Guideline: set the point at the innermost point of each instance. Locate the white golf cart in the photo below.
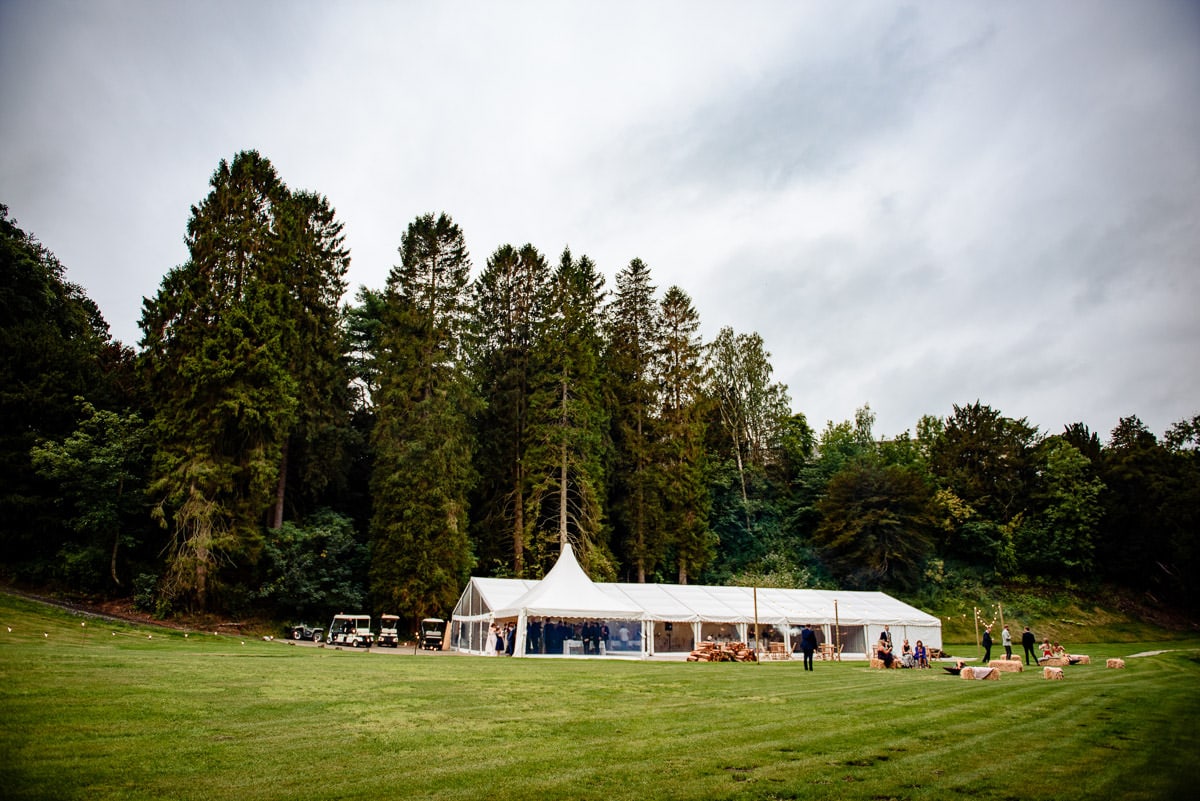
(433, 630)
(389, 635)
(352, 630)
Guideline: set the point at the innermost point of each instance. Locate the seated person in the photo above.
(920, 655)
(1046, 649)
(883, 651)
(1059, 650)
(906, 655)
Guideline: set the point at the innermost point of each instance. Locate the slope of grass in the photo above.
(103, 711)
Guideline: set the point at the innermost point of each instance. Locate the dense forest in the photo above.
(272, 449)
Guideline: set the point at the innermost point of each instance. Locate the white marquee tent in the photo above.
(642, 620)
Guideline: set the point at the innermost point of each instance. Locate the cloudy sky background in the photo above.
(915, 205)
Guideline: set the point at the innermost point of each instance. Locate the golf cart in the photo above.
(354, 630)
(305, 632)
(433, 630)
(389, 635)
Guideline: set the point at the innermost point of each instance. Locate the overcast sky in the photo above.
(916, 205)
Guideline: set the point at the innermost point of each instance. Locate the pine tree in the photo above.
(680, 447)
(241, 351)
(423, 449)
(568, 424)
(633, 340)
(511, 298)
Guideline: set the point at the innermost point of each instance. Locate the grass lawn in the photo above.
(109, 711)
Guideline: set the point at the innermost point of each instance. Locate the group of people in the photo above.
(910, 656)
(500, 640)
(547, 637)
(1028, 642)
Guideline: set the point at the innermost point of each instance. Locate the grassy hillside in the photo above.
(95, 710)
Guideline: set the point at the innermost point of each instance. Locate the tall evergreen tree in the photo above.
(315, 262)
(511, 302)
(213, 355)
(420, 550)
(680, 447)
(568, 424)
(634, 336)
(241, 351)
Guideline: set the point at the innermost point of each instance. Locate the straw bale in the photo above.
(1054, 661)
(1081, 659)
(1116, 663)
(1007, 665)
(969, 673)
(1052, 672)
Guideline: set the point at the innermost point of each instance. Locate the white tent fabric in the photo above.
(851, 618)
(566, 591)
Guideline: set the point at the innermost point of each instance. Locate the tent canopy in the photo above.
(567, 592)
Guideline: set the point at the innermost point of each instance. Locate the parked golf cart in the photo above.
(353, 630)
(305, 632)
(389, 636)
(433, 630)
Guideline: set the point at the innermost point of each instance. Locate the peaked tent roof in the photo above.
(566, 591)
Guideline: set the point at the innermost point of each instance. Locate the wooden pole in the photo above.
(757, 642)
(977, 646)
(837, 633)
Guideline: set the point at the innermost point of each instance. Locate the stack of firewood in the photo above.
(722, 652)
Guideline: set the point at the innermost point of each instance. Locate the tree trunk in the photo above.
(117, 537)
(562, 479)
(280, 490)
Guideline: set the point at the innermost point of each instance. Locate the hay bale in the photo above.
(1007, 665)
(1052, 672)
(1054, 661)
(1116, 663)
(980, 673)
(877, 664)
(1080, 659)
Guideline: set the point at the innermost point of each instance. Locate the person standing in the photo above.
(1028, 642)
(987, 644)
(808, 644)
(1006, 641)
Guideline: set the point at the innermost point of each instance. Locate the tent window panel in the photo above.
(673, 636)
(719, 632)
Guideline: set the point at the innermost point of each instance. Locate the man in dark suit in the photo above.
(808, 644)
(987, 645)
(1029, 642)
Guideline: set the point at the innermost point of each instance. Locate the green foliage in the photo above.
(1058, 537)
(242, 354)
(511, 300)
(52, 345)
(876, 525)
(312, 567)
(680, 461)
(567, 432)
(420, 553)
(634, 339)
(100, 471)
